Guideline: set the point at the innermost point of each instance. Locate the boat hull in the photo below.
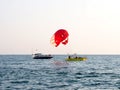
(42, 57)
(76, 59)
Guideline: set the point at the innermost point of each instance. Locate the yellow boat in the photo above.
(76, 59)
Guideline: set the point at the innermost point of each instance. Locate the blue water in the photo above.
(21, 72)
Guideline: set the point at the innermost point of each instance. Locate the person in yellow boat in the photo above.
(69, 56)
(76, 57)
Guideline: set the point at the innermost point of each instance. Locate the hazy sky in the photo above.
(28, 25)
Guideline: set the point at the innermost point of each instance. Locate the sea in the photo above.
(22, 72)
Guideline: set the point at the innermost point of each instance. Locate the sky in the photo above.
(26, 26)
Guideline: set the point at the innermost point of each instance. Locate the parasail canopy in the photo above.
(60, 36)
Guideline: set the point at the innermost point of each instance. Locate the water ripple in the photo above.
(21, 72)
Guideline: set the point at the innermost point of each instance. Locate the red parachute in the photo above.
(60, 36)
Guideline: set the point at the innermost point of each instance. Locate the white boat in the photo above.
(41, 56)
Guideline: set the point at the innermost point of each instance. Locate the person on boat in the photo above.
(69, 56)
(49, 54)
(76, 57)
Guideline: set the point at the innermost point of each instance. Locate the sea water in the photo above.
(21, 72)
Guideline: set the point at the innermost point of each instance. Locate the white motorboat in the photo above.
(41, 56)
